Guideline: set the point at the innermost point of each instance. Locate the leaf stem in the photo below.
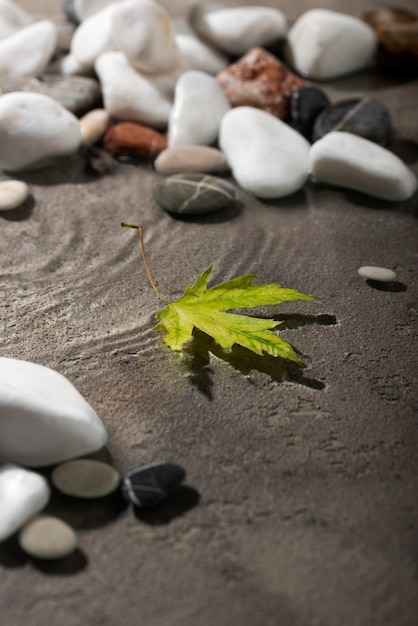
(144, 257)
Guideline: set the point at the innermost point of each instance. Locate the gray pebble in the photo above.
(85, 478)
(191, 194)
(47, 537)
(69, 10)
(76, 93)
(367, 118)
(373, 272)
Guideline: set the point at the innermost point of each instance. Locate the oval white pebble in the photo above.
(373, 272)
(93, 37)
(85, 478)
(47, 537)
(43, 418)
(28, 51)
(12, 18)
(13, 193)
(22, 495)
(33, 128)
(267, 157)
(351, 161)
(324, 44)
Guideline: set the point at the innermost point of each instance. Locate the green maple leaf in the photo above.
(205, 309)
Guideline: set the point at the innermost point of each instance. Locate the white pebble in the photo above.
(373, 272)
(199, 106)
(86, 8)
(47, 537)
(143, 31)
(22, 495)
(43, 418)
(198, 55)
(236, 30)
(93, 125)
(351, 161)
(85, 478)
(323, 44)
(12, 18)
(129, 95)
(267, 157)
(71, 66)
(13, 193)
(34, 128)
(93, 37)
(28, 51)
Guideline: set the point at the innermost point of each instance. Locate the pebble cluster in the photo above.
(190, 75)
(191, 87)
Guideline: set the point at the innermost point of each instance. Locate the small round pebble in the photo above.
(85, 478)
(148, 485)
(93, 125)
(364, 117)
(372, 272)
(47, 537)
(193, 193)
(13, 193)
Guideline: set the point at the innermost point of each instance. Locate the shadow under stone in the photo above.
(11, 554)
(20, 213)
(67, 566)
(178, 503)
(393, 286)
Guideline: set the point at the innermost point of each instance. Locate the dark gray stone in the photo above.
(364, 117)
(78, 94)
(189, 194)
(68, 8)
(305, 106)
(148, 485)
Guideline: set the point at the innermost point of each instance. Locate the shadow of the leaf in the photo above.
(243, 360)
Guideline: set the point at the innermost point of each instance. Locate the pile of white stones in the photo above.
(156, 63)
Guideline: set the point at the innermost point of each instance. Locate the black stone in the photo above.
(367, 118)
(68, 8)
(148, 485)
(305, 106)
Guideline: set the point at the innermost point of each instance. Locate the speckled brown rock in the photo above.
(134, 140)
(260, 80)
(397, 33)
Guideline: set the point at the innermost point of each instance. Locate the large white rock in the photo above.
(28, 51)
(93, 37)
(33, 129)
(43, 418)
(351, 161)
(236, 30)
(143, 31)
(267, 157)
(199, 106)
(323, 44)
(22, 495)
(128, 95)
(196, 54)
(12, 18)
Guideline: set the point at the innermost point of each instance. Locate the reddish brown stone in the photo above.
(260, 80)
(134, 140)
(397, 33)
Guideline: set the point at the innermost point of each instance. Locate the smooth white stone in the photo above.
(86, 8)
(323, 44)
(13, 193)
(351, 161)
(93, 37)
(43, 418)
(93, 125)
(28, 51)
(143, 31)
(22, 495)
(12, 18)
(34, 128)
(71, 66)
(236, 30)
(267, 157)
(196, 54)
(199, 106)
(373, 272)
(128, 95)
